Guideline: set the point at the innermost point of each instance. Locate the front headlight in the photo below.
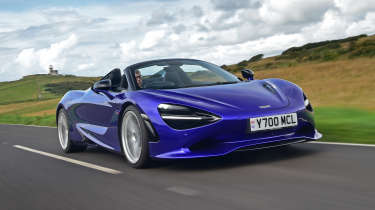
(307, 103)
(183, 117)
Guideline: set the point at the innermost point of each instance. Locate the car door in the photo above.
(99, 112)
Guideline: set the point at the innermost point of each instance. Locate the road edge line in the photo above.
(343, 144)
(70, 160)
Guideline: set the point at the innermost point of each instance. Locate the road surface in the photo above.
(36, 174)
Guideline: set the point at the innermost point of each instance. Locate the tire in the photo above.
(133, 137)
(66, 144)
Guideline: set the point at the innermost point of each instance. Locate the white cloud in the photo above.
(27, 57)
(354, 6)
(151, 39)
(47, 56)
(279, 12)
(85, 66)
(128, 50)
(332, 26)
(366, 25)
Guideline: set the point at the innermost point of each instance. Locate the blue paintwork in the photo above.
(96, 116)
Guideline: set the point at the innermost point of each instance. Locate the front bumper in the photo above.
(224, 148)
(228, 135)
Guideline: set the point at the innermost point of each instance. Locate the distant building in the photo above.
(52, 71)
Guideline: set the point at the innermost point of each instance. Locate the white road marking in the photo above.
(81, 163)
(182, 190)
(344, 144)
(36, 126)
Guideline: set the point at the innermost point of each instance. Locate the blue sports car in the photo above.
(183, 108)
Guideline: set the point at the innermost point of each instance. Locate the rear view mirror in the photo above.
(247, 74)
(105, 84)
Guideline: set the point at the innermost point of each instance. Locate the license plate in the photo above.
(273, 122)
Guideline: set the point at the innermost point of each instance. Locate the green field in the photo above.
(337, 76)
(346, 125)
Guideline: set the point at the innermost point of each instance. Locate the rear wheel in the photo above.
(134, 138)
(67, 145)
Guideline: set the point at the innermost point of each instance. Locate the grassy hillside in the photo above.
(343, 83)
(41, 87)
(33, 99)
(361, 46)
(338, 76)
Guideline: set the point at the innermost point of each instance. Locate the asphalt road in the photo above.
(303, 176)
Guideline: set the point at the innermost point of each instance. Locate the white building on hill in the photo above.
(52, 71)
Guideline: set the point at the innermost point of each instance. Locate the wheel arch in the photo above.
(153, 136)
(59, 106)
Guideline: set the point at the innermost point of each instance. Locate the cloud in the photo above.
(197, 11)
(27, 57)
(85, 66)
(355, 7)
(366, 25)
(230, 5)
(128, 49)
(54, 55)
(151, 39)
(332, 26)
(160, 16)
(219, 31)
(281, 12)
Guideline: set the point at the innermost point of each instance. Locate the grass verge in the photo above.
(348, 125)
(46, 120)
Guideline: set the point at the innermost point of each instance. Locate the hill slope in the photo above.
(33, 99)
(41, 87)
(361, 46)
(345, 79)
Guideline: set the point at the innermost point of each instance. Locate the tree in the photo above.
(256, 58)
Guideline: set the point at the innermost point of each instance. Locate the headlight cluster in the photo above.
(307, 103)
(183, 117)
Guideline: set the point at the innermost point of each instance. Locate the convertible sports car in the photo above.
(183, 108)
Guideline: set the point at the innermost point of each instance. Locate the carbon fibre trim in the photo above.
(272, 144)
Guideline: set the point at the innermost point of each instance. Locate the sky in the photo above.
(89, 38)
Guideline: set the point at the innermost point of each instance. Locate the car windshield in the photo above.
(179, 73)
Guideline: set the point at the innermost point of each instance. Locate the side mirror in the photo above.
(247, 74)
(104, 84)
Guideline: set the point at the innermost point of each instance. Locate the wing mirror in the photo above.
(247, 74)
(104, 84)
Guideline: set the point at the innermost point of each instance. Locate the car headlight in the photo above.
(307, 103)
(183, 117)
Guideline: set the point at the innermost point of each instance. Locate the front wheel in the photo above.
(67, 145)
(134, 138)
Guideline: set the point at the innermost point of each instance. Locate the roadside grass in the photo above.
(350, 125)
(29, 113)
(46, 120)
